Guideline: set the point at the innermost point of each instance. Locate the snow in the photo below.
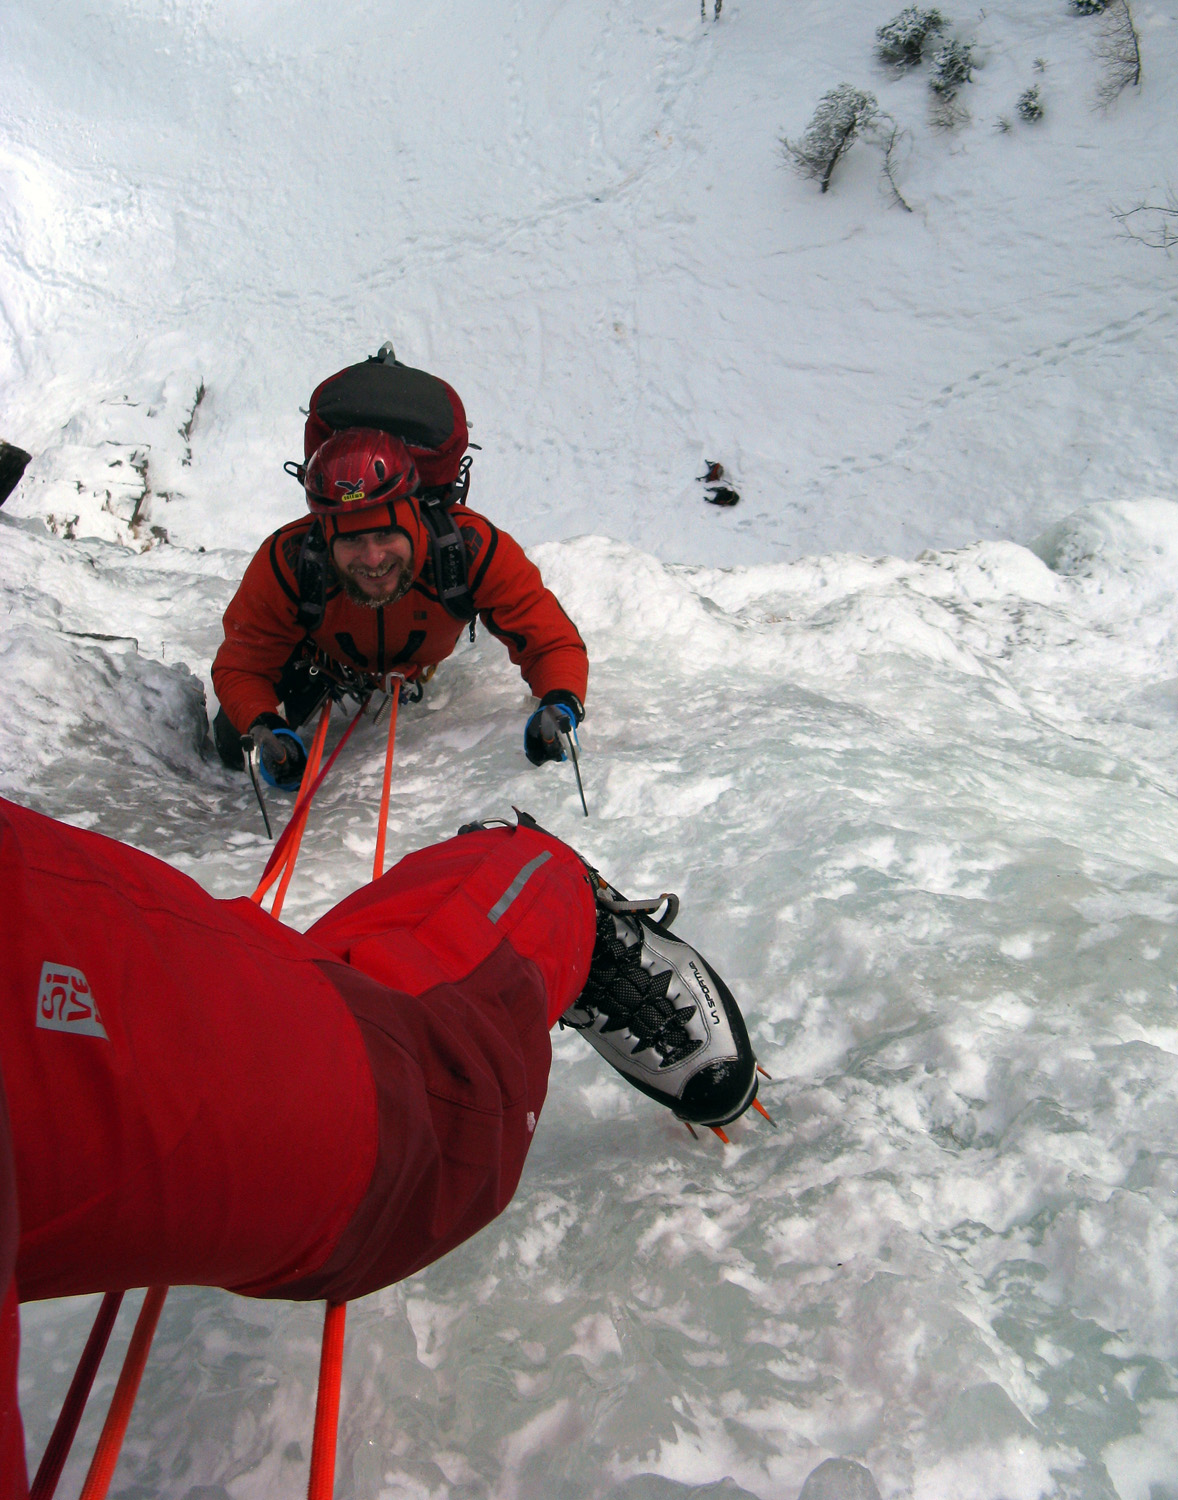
(901, 727)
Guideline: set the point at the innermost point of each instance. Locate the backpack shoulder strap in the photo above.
(311, 576)
(448, 553)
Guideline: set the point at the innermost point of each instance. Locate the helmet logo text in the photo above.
(353, 489)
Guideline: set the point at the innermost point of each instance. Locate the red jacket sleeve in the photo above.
(514, 605)
(261, 631)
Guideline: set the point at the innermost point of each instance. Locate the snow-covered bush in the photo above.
(1030, 106)
(842, 114)
(1089, 7)
(901, 40)
(952, 66)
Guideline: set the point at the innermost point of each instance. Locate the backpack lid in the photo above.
(423, 411)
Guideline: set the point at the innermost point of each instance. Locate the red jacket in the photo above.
(261, 630)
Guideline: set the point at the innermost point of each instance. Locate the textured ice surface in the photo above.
(921, 811)
(922, 817)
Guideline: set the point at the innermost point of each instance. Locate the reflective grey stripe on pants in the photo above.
(517, 885)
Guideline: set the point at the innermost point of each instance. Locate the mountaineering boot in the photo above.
(661, 1015)
(656, 1010)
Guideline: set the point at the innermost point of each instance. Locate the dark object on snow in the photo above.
(715, 471)
(1119, 50)
(13, 462)
(721, 495)
(839, 1479)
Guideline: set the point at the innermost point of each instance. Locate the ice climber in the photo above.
(193, 1093)
(360, 588)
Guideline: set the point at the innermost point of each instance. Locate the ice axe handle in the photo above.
(570, 736)
(251, 756)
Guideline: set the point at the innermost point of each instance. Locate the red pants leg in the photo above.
(491, 933)
(200, 1095)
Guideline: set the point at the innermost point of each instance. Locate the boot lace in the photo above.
(633, 999)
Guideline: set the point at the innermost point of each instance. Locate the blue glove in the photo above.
(282, 756)
(559, 713)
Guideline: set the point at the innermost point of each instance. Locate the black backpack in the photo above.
(429, 418)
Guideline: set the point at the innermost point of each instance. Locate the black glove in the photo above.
(560, 711)
(282, 754)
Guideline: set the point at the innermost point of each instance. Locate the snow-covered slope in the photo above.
(922, 816)
(579, 215)
(920, 809)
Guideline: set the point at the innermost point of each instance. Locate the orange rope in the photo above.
(65, 1429)
(331, 1368)
(321, 1482)
(295, 829)
(106, 1455)
(383, 820)
(282, 861)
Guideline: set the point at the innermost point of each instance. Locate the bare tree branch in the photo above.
(1152, 224)
(1119, 49)
(888, 137)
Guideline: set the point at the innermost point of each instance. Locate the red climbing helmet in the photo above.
(358, 469)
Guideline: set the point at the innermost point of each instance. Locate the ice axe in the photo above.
(251, 753)
(570, 738)
(551, 734)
